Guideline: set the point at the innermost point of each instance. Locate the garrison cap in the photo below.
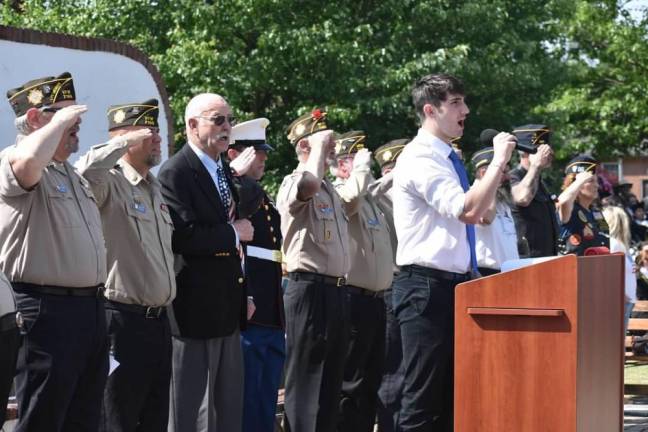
(41, 92)
(307, 125)
(388, 153)
(581, 163)
(349, 143)
(251, 133)
(532, 134)
(482, 157)
(133, 114)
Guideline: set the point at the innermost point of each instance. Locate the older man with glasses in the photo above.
(211, 304)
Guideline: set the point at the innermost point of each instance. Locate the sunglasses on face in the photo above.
(220, 119)
(49, 109)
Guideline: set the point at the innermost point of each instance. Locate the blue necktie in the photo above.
(223, 188)
(470, 229)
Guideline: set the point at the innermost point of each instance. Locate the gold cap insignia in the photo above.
(119, 116)
(35, 96)
(387, 155)
(300, 129)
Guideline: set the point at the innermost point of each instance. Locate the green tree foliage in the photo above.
(359, 58)
(603, 107)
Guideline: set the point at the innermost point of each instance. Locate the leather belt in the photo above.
(148, 312)
(93, 291)
(365, 292)
(316, 277)
(435, 273)
(263, 253)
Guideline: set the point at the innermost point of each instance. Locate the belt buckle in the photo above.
(340, 281)
(153, 312)
(277, 256)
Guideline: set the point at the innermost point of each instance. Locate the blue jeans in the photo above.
(424, 307)
(264, 352)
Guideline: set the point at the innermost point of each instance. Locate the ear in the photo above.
(232, 154)
(303, 145)
(33, 117)
(429, 110)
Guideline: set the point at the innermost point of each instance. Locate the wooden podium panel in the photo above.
(541, 348)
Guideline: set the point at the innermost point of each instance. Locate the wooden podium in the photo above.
(541, 348)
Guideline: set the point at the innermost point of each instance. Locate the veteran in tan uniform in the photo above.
(370, 275)
(389, 393)
(316, 248)
(141, 282)
(52, 250)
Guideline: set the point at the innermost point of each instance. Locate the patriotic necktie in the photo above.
(223, 189)
(470, 229)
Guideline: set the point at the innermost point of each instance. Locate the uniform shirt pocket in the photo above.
(140, 216)
(324, 222)
(64, 211)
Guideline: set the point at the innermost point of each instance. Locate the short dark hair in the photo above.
(434, 89)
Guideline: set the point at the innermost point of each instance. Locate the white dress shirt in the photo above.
(630, 277)
(428, 200)
(497, 242)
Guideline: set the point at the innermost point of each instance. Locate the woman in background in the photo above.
(619, 225)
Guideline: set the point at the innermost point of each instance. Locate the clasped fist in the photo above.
(503, 145)
(244, 229)
(543, 157)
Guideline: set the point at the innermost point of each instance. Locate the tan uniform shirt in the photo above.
(380, 190)
(314, 231)
(369, 242)
(7, 302)
(137, 227)
(50, 235)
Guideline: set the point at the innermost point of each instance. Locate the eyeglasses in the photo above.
(220, 119)
(50, 109)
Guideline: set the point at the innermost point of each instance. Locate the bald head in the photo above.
(201, 103)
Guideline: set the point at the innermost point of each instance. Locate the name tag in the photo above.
(139, 207)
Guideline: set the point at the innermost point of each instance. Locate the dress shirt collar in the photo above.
(210, 164)
(436, 144)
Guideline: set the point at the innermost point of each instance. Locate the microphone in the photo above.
(486, 138)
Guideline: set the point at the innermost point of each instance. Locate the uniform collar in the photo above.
(132, 175)
(434, 143)
(58, 166)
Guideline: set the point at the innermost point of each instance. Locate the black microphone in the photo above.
(486, 139)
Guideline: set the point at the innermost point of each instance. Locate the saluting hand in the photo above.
(362, 159)
(69, 116)
(584, 177)
(244, 229)
(137, 136)
(243, 162)
(323, 140)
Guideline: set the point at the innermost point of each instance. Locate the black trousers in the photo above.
(62, 364)
(424, 306)
(364, 364)
(316, 344)
(9, 342)
(137, 392)
(391, 387)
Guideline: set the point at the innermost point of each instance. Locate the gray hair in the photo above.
(22, 125)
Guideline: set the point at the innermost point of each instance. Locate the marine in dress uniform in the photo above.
(52, 250)
(141, 283)
(9, 342)
(389, 393)
(534, 209)
(581, 225)
(370, 275)
(316, 249)
(263, 342)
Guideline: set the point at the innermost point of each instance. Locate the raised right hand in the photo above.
(322, 139)
(137, 136)
(244, 229)
(543, 158)
(69, 115)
